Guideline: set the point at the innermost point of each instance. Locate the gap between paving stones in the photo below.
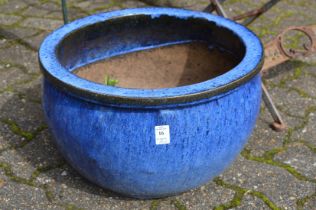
(239, 194)
(6, 167)
(19, 40)
(28, 136)
(301, 202)
(268, 156)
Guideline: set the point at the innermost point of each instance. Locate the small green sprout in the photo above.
(109, 81)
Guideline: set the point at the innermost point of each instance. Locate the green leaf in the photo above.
(109, 81)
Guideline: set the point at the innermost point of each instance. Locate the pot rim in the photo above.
(58, 75)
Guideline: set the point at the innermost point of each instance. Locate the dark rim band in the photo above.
(249, 66)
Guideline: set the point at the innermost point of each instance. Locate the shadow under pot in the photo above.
(186, 101)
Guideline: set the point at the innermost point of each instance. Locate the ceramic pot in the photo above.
(149, 143)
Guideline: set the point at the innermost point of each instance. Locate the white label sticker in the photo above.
(162, 134)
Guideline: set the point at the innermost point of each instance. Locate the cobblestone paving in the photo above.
(274, 171)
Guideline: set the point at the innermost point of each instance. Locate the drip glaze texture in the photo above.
(108, 134)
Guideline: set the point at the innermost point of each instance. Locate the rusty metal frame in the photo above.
(276, 52)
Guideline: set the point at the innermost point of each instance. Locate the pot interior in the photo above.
(146, 52)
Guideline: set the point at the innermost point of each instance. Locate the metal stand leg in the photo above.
(262, 10)
(64, 10)
(211, 7)
(278, 123)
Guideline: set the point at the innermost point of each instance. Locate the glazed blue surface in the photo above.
(114, 146)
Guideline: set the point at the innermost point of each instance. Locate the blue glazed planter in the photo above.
(108, 133)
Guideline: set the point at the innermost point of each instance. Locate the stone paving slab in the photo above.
(273, 182)
(9, 19)
(301, 158)
(274, 171)
(250, 202)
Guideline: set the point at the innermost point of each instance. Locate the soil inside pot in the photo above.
(163, 67)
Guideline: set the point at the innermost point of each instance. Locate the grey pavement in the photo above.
(274, 171)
